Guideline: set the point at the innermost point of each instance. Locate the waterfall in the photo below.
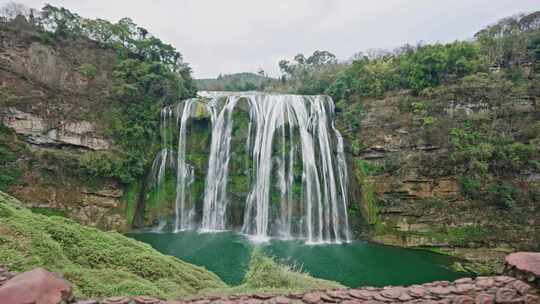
(297, 175)
(184, 215)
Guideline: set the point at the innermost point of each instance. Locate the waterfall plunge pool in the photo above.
(354, 264)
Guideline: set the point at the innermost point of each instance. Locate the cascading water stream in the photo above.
(183, 215)
(282, 129)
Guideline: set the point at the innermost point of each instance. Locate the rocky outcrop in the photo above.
(411, 191)
(40, 132)
(524, 265)
(101, 207)
(36, 286)
(55, 113)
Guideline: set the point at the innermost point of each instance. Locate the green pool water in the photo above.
(354, 264)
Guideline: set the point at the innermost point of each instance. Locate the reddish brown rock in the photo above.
(505, 295)
(504, 279)
(465, 288)
(146, 300)
(362, 294)
(405, 297)
(35, 286)
(417, 291)
(339, 294)
(440, 291)
(328, 299)
(521, 286)
(484, 298)
(249, 301)
(484, 282)
(281, 300)
(463, 300)
(225, 301)
(312, 297)
(463, 281)
(531, 299)
(87, 302)
(392, 293)
(116, 300)
(262, 296)
(528, 262)
(380, 298)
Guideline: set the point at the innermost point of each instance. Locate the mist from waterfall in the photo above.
(298, 173)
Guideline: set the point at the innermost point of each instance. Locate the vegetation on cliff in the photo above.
(237, 82)
(147, 74)
(464, 111)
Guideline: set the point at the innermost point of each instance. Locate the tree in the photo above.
(12, 9)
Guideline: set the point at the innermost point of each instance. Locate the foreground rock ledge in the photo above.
(42, 287)
(524, 265)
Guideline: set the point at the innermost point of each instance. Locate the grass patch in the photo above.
(98, 264)
(268, 276)
(49, 211)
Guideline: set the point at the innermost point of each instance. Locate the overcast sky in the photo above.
(229, 36)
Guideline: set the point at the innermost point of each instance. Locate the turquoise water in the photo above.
(354, 264)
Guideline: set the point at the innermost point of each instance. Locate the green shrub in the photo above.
(369, 168)
(502, 195)
(470, 187)
(88, 70)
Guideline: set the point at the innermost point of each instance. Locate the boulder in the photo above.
(526, 262)
(37, 286)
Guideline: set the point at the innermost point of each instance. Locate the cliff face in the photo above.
(53, 97)
(415, 182)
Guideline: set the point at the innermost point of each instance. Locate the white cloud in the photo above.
(226, 36)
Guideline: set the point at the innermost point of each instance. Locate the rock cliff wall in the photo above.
(53, 101)
(412, 191)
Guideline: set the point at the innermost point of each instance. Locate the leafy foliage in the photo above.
(414, 68)
(89, 70)
(237, 82)
(311, 75)
(148, 75)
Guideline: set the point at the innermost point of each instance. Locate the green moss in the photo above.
(369, 168)
(49, 211)
(369, 207)
(462, 236)
(129, 199)
(97, 263)
(161, 198)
